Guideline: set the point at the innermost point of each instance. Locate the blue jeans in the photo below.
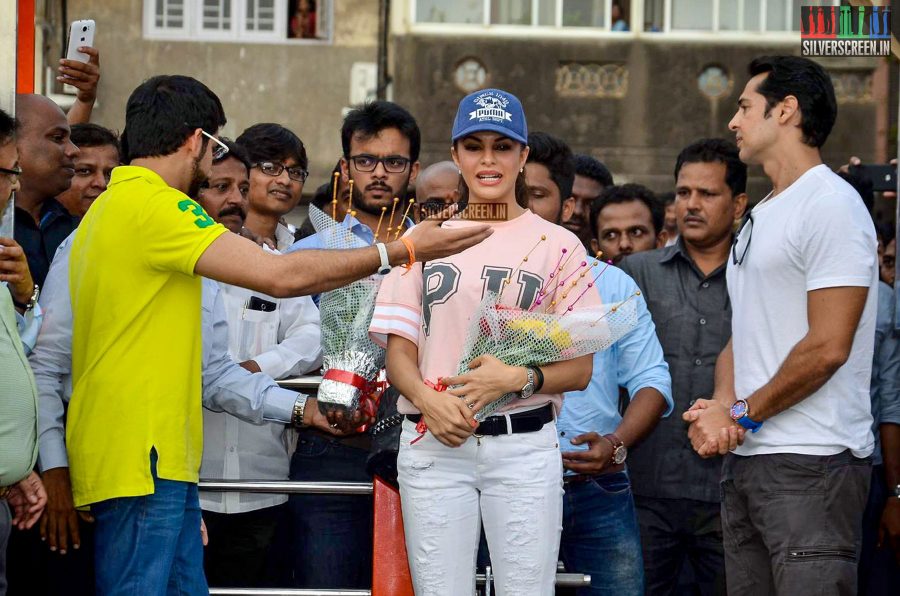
(150, 545)
(332, 534)
(601, 537)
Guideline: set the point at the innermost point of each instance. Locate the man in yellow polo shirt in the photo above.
(134, 434)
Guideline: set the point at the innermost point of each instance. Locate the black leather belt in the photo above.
(522, 422)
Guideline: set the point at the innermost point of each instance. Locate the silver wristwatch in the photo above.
(528, 390)
(299, 409)
(896, 491)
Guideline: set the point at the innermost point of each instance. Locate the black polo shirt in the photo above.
(41, 241)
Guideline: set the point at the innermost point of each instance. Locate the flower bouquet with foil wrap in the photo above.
(351, 363)
(551, 330)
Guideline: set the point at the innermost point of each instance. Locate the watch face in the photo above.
(620, 454)
(527, 391)
(738, 410)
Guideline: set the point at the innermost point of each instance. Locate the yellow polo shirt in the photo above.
(136, 343)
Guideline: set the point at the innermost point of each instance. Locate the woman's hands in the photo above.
(447, 417)
(488, 380)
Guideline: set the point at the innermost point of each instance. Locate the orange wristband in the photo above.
(410, 249)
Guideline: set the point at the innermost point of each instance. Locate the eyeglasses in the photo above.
(740, 246)
(393, 164)
(274, 168)
(221, 150)
(13, 173)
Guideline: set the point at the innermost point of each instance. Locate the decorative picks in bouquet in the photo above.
(552, 330)
(352, 362)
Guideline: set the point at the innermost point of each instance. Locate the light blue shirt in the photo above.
(226, 386)
(634, 362)
(363, 233)
(885, 388)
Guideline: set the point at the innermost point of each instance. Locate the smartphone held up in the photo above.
(81, 33)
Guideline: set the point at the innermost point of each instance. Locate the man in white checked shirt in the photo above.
(280, 338)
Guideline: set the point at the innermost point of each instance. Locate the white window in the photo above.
(168, 14)
(266, 21)
(739, 16)
(215, 15)
(530, 13)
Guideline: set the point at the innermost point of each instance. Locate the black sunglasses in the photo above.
(748, 223)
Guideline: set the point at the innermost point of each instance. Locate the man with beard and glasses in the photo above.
(591, 178)
(549, 172)
(254, 398)
(46, 156)
(333, 533)
(280, 338)
(626, 219)
(381, 156)
(134, 438)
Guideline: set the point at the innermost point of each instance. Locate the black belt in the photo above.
(522, 422)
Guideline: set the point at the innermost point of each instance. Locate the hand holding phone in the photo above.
(81, 33)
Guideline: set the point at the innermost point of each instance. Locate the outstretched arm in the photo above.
(238, 261)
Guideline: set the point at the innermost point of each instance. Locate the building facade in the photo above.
(630, 82)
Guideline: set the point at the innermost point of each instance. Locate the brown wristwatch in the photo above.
(620, 451)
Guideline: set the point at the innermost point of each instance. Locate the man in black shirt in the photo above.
(676, 491)
(46, 156)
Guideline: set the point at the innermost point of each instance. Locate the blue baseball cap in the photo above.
(494, 110)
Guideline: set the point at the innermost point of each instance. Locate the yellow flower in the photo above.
(561, 337)
(533, 326)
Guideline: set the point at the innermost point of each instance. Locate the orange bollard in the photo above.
(390, 567)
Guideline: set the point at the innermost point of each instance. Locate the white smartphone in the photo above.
(81, 33)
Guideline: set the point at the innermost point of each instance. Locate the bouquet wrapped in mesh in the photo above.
(351, 361)
(529, 338)
(552, 330)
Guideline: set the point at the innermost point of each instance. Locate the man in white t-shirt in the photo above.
(792, 387)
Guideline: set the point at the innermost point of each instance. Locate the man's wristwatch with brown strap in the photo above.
(620, 451)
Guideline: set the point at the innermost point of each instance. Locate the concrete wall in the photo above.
(303, 87)
(640, 121)
(637, 123)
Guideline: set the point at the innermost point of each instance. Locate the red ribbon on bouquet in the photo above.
(371, 391)
(421, 427)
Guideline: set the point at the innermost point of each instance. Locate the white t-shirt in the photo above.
(815, 234)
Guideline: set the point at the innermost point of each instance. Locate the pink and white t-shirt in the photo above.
(432, 305)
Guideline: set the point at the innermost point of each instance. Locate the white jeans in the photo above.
(513, 481)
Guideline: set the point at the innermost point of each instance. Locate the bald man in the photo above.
(46, 156)
(438, 183)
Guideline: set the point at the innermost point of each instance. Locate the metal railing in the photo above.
(309, 384)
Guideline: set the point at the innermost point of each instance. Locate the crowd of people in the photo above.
(742, 438)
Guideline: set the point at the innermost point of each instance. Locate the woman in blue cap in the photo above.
(507, 471)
